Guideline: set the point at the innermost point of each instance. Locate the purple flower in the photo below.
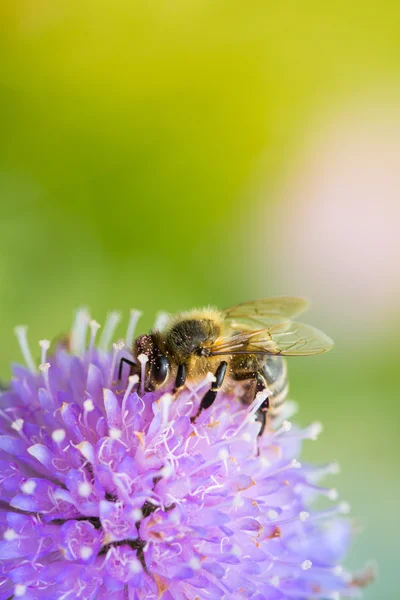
(106, 492)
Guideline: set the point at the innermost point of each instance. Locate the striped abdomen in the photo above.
(275, 372)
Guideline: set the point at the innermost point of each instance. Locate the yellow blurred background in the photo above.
(162, 155)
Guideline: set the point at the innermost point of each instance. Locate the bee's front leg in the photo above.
(121, 364)
(216, 385)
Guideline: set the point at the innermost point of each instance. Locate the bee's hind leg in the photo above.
(216, 385)
(263, 410)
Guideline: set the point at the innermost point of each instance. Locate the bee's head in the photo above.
(157, 368)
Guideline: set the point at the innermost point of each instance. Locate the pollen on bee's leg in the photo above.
(113, 318)
(20, 590)
(20, 332)
(79, 329)
(130, 332)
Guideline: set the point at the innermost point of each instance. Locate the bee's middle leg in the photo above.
(216, 385)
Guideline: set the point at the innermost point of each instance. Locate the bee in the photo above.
(245, 345)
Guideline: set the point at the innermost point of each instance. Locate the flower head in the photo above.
(105, 490)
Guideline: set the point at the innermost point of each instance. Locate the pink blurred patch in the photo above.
(337, 225)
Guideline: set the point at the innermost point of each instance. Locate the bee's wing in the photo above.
(284, 339)
(263, 313)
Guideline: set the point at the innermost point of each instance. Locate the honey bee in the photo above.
(244, 345)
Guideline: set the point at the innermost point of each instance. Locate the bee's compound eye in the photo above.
(160, 369)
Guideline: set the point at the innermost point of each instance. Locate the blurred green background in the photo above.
(151, 156)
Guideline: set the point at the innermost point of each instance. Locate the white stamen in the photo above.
(136, 514)
(236, 550)
(86, 449)
(272, 514)
(58, 435)
(44, 368)
(223, 454)
(294, 464)
(88, 405)
(275, 581)
(194, 563)
(196, 388)
(335, 596)
(253, 408)
(20, 590)
(315, 430)
(307, 564)
(135, 566)
(238, 501)
(28, 486)
(45, 345)
(332, 494)
(20, 332)
(110, 326)
(334, 468)
(303, 516)
(165, 400)
(162, 319)
(10, 535)
(246, 437)
(85, 552)
(338, 570)
(117, 347)
(115, 433)
(132, 381)
(94, 327)
(284, 428)
(84, 489)
(18, 424)
(79, 329)
(143, 359)
(130, 332)
(344, 508)
(264, 462)
(289, 409)
(167, 470)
